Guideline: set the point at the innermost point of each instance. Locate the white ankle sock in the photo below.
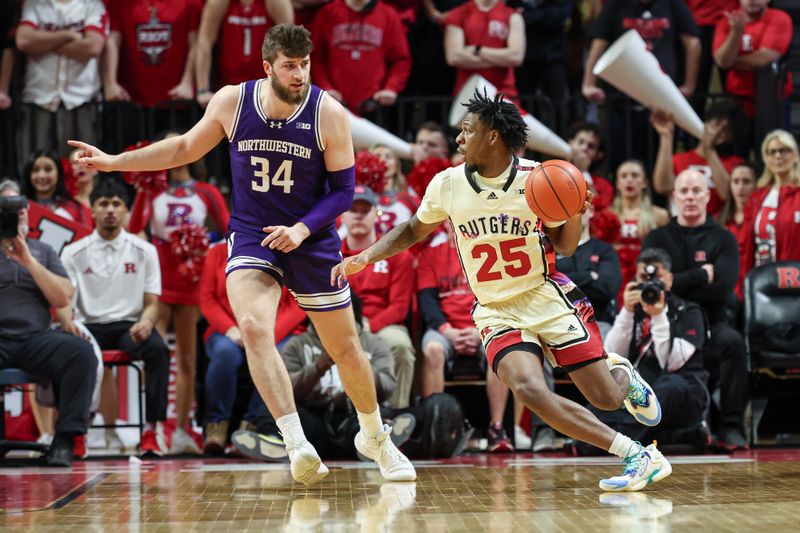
(623, 446)
(291, 429)
(371, 423)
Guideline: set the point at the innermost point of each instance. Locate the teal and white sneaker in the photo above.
(642, 468)
(641, 401)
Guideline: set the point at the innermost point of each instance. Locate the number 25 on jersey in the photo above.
(281, 178)
(515, 262)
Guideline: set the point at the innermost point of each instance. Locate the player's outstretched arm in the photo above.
(172, 152)
(400, 238)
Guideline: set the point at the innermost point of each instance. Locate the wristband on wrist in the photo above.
(203, 91)
(443, 327)
(477, 51)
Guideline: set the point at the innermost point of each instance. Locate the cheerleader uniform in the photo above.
(191, 202)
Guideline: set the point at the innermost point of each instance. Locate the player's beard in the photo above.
(285, 94)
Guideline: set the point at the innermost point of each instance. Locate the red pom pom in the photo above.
(605, 225)
(424, 171)
(69, 177)
(370, 171)
(153, 182)
(189, 244)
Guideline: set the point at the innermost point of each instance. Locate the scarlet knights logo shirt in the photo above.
(155, 44)
(153, 38)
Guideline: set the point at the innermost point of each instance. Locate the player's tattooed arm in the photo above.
(400, 238)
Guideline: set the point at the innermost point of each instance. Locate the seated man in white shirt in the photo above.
(118, 282)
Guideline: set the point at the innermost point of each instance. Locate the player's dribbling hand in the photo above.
(92, 157)
(348, 267)
(587, 203)
(285, 239)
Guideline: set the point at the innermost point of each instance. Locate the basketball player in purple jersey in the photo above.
(293, 174)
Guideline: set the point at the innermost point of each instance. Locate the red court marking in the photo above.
(32, 491)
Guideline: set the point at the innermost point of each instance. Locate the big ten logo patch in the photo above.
(788, 277)
(178, 214)
(381, 267)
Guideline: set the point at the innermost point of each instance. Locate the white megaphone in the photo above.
(540, 137)
(631, 68)
(365, 134)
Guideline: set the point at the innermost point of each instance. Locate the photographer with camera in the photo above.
(705, 264)
(32, 279)
(661, 334)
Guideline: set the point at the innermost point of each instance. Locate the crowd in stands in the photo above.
(702, 213)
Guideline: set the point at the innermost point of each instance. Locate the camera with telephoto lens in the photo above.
(653, 287)
(10, 207)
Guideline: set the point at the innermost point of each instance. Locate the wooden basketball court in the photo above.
(751, 491)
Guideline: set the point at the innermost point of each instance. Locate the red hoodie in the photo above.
(385, 288)
(359, 52)
(217, 310)
(787, 227)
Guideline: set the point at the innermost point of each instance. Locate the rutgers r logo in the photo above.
(700, 256)
(130, 268)
(788, 277)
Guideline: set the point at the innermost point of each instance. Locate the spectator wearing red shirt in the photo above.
(385, 289)
(588, 153)
(361, 54)
(445, 304)
(240, 27)
(225, 349)
(746, 39)
(485, 37)
(706, 14)
(712, 157)
(430, 141)
(772, 214)
(150, 54)
(743, 184)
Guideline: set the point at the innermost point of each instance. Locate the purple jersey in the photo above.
(277, 166)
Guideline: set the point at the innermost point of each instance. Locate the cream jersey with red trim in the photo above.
(500, 248)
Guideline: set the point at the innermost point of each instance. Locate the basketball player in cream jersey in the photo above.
(526, 310)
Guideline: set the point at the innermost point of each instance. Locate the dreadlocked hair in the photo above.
(498, 114)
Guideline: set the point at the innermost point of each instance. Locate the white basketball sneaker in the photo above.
(307, 467)
(641, 401)
(642, 468)
(393, 464)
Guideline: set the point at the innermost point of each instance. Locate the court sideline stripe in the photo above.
(78, 492)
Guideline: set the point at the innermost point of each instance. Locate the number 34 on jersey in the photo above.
(281, 178)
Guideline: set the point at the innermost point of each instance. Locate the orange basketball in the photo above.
(555, 190)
